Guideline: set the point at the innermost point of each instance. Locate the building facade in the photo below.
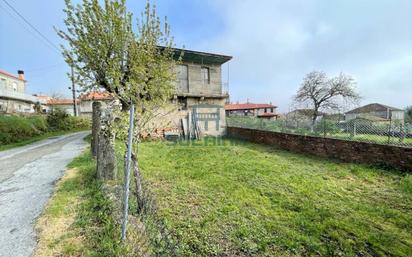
(13, 96)
(200, 94)
(376, 110)
(86, 101)
(264, 111)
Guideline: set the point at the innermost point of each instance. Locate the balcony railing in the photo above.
(18, 96)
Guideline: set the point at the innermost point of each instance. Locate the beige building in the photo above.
(375, 112)
(13, 96)
(62, 104)
(86, 101)
(263, 111)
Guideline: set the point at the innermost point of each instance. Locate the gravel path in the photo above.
(27, 178)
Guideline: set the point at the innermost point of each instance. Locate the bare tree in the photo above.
(323, 93)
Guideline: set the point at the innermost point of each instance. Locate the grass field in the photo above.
(244, 199)
(78, 219)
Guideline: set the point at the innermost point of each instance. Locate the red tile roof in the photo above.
(247, 106)
(11, 75)
(55, 101)
(95, 95)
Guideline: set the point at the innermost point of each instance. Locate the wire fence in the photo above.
(386, 132)
(147, 233)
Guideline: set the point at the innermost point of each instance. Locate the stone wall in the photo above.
(348, 151)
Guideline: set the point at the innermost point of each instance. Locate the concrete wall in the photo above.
(394, 115)
(85, 107)
(9, 87)
(196, 84)
(349, 151)
(12, 84)
(12, 106)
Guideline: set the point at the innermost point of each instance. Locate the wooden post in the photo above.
(96, 125)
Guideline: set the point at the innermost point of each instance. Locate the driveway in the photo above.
(27, 178)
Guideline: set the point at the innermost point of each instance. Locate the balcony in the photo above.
(8, 94)
(212, 90)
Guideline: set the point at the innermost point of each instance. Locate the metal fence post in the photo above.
(127, 173)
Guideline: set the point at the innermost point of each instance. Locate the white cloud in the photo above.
(275, 43)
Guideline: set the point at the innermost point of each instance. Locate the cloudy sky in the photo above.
(273, 44)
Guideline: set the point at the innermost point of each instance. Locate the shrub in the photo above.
(15, 129)
(57, 120)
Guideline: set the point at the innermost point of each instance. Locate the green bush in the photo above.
(15, 129)
(59, 120)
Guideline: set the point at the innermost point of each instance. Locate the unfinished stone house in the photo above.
(13, 97)
(200, 94)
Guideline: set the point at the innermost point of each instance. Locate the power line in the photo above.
(22, 25)
(31, 26)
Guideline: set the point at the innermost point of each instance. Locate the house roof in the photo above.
(96, 95)
(375, 107)
(201, 57)
(58, 101)
(247, 106)
(11, 75)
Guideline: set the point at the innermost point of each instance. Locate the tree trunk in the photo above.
(314, 116)
(96, 125)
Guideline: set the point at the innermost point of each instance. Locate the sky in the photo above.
(274, 44)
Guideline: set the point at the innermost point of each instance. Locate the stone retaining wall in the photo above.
(349, 151)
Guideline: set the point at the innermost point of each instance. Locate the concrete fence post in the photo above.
(106, 157)
(96, 125)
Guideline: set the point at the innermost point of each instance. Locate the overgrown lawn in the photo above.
(243, 199)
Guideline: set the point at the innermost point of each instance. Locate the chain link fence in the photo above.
(147, 233)
(386, 132)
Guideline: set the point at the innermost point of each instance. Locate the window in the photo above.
(182, 103)
(205, 76)
(266, 110)
(271, 110)
(3, 83)
(182, 77)
(14, 86)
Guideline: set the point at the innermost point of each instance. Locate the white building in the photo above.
(13, 97)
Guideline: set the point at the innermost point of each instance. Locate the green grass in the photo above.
(253, 200)
(79, 199)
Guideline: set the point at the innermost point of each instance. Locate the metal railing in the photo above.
(391, 132)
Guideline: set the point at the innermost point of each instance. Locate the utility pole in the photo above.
(74, 94)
